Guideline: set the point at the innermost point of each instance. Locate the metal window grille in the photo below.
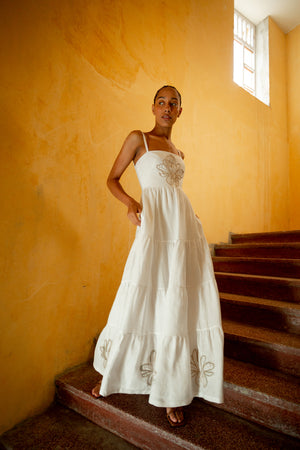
(244, 52)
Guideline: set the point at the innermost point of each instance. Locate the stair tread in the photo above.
(261, 245)
(264, 335)
(140, 419)
(248, 276)
(257, 259)
(263, 381)
(61, 428)
(259, 302)
(289, 263)
(291, 234)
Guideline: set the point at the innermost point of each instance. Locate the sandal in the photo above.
(171, 422)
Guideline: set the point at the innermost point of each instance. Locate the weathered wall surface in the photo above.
(293, 77)
(76, 77)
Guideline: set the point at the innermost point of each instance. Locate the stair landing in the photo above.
(59, 428)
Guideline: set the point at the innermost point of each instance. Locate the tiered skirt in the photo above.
(164, 335)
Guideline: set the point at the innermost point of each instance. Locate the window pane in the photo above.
(244, 30)
(249, 79)
(239, 27)
(244, 52)
(249, 57)
(238, 63)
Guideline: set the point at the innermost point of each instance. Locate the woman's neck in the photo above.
(163, 132)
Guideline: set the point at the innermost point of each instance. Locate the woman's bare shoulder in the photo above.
(135, 137)
(132, 143)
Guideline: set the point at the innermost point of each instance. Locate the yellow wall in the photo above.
(293, 77)
(76, 77)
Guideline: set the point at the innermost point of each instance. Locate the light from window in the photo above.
(244, 53)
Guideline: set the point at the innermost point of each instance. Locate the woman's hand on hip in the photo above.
(133, 213)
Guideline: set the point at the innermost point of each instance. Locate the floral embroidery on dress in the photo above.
(201, 370)
(105, 349)
(147, 369)
(171, 170)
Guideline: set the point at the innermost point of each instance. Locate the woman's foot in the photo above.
(96, 390)
(175, 417)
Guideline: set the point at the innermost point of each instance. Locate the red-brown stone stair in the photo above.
(258, 276)
(259, 283)
(132, 418)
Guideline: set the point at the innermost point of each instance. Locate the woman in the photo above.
(164, 335)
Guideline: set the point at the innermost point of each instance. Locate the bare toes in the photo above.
(172, 414)
(96, 390)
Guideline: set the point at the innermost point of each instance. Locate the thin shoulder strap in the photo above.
(145, 142)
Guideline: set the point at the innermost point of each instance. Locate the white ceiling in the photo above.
(286, 13)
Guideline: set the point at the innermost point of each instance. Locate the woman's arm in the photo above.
(124, 158)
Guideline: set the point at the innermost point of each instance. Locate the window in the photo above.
(244, 53)
(251, 56)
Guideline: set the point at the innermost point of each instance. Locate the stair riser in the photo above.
(271, 289)
(292, 236)
(131, 429)
(288, 270)
(271, 356)
(249, 405)
(249, 252)
(279, 319)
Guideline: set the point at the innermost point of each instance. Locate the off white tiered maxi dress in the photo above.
(164, 334)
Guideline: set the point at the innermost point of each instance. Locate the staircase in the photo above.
(258, 276)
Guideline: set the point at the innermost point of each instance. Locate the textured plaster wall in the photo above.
(76, 77)
(293, 77)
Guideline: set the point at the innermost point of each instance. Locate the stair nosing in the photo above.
(279, 402)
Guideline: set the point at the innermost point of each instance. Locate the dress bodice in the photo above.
(159, 168)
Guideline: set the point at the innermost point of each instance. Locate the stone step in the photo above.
(60, 428)
(264, 396)
(276, 250)
(276, 288)
(263, 347)
(277, 236)
(276, 267)
(207, 427)
(274, 314)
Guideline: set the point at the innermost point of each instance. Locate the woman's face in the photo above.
(166, 107)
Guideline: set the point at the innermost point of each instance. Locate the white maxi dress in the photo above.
(164, 333)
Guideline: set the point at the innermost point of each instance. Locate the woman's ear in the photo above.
(179, 112)
(152, 109)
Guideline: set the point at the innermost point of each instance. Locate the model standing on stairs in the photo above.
(164, 334)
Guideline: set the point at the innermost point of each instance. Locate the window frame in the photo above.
(245, 45)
